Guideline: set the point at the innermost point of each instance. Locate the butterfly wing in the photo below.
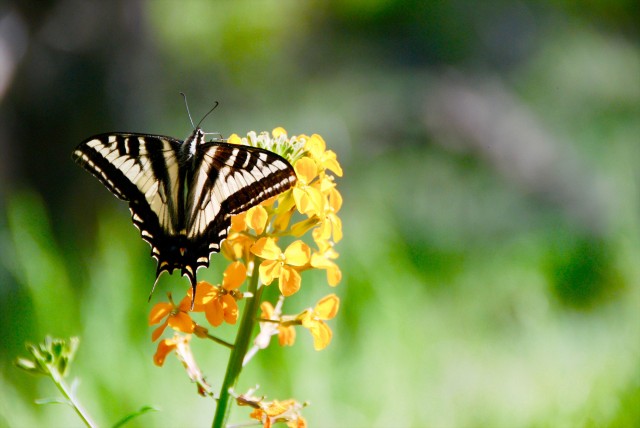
(228, 179)
(143, 170)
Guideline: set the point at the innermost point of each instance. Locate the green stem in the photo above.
(57, 379)
(243, 338)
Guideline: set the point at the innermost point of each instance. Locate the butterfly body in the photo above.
(182, 194)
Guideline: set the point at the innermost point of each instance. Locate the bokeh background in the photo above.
(491, 215)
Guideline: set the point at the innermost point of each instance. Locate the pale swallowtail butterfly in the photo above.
(182, 194)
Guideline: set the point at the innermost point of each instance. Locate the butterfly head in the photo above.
(188, 148)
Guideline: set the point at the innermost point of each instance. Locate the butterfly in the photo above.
(182, 194)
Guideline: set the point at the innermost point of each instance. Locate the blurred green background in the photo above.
(491, 214)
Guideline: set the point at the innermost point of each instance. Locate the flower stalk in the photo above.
(243, 339)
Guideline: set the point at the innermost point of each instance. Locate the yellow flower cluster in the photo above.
(268, 241)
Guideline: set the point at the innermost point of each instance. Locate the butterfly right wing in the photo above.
(143, 170)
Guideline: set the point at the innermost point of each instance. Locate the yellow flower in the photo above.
(331, 224)
(324, 260)
(219, 303)
(278, 264)
(326, 159)
(286, 333)
(314, 320)
(177, 317)
(308, 199)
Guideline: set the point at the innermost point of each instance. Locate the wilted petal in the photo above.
(286, 336)
(164, 347)
(267, 310)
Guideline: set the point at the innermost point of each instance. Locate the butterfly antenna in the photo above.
(188, 112)
(205, 116)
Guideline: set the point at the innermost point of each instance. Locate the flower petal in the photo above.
(159, 311)
(238, 222)
(321, 335)
(327, 307)
(316, 146)
(306, 170)
(213, 313)
(266, 248)
(289, 281)
(158, 331)
(267, 310)
(297, 254)
(286, 335)
(164, 347)
(234, 275)
(181, 322)
(229, 309)
(257, 218)
(269, 270)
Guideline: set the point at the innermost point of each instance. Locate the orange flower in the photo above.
(219, 303)
(177, 317)
(278, 264)
(237, 246)
(314, 320)
(286, 334)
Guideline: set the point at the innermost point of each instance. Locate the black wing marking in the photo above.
(228, 179)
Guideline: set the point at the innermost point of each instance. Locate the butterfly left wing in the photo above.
(143, 170)
(228, 179)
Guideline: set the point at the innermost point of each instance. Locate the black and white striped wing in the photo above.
(228, 179)
(143, 170)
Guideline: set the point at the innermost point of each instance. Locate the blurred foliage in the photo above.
(491, 210)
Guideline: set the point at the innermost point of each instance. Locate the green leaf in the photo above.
(135, 414)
